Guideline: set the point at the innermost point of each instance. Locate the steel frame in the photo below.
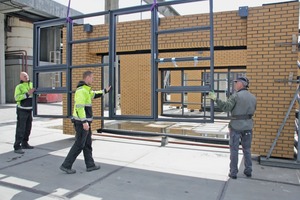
(67, 68)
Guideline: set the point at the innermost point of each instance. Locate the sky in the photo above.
(91, 6)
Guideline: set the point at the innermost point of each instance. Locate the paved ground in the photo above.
(130, 170)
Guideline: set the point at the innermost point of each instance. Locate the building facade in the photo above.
(260, 45)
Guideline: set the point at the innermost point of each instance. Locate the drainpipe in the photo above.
(23, 53)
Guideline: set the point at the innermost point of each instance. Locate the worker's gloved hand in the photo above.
(212, 95)
(106, 90)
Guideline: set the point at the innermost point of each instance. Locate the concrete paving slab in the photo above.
(202, 162)
(273, 174)
(130, 169)
(121, 150)
(136, 184)
(5, 148)
(250, 189)
(7, 133)
(16, 194)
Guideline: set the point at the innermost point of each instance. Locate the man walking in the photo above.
(23, 97)
(242, 105)
(82, 117)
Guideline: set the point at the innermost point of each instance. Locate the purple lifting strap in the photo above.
(69, 20)
(153, 5)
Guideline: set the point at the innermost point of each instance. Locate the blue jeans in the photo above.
(246, 139)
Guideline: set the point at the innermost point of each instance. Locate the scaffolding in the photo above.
(156, 90)
(268, 160)
(112, 52)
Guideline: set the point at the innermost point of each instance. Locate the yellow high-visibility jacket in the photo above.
(23, 99)
(83, 102)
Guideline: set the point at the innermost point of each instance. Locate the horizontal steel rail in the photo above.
(89, 40)
(50, 90)
(172, 31)
(182, 137)
(180, 89)
(90, 65)
(181, 59)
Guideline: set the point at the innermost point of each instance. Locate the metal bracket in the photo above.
(295, 44)
(289, 80)
(164, 141)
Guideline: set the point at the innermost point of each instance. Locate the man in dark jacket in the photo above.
(23, 97)
(83, 117)
(242, 105)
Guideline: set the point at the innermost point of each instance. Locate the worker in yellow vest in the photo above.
(23, 97)
(82, 119)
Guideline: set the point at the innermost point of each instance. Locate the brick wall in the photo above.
(268, 26)
(265, 60)
(136, 78)
(135, 81)
(81, 56)
(229, 30)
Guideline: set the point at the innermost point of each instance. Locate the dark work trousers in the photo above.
(83, 142)
(24, 123)
(246, 138)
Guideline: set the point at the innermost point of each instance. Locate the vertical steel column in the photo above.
(162, 99)
(154, 64)
(298, 131)
(112, 61)
(228, 87)
(183, 93)
(35, 63)
(204, 82)
(69, 69)
(212, 64)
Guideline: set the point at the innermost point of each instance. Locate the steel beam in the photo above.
(276, 162)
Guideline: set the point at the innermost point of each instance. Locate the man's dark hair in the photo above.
(86, 74)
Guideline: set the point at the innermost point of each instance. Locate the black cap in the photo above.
(244, 80)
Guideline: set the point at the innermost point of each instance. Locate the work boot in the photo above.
(95, 167)
(248, 175)
(68, 171)
(232, 176)
(27, 146)
(19, 151)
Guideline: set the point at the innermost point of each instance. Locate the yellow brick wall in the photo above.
(267, 60)
(264, 59)
(82, 56)
(135, 78)
(229, 30)
(135, 81)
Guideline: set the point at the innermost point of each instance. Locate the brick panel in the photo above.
(265, 60)
(81, 56)
(268, 26)
(132, 36)
(135, 79)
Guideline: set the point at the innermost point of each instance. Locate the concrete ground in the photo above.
(130, 169)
